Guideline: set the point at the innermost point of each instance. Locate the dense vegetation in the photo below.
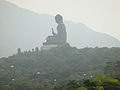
(59, 68)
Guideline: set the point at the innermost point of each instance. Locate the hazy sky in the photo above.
(100, 15)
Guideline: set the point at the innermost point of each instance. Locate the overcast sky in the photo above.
(100, 15)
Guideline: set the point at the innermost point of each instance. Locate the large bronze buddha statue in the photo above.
(61, 36)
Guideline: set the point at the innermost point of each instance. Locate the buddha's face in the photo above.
(58, 19)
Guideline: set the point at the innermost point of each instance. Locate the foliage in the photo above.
(92, 84)
(112, 69)
(102, 83)
(81, 88)
(47, 70)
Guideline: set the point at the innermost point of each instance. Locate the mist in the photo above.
(43, 51)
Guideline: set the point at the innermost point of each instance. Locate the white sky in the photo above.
(100, 15)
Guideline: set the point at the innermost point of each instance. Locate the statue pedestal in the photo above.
(48, 47)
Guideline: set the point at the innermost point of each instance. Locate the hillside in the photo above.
(63, 63)
(25, 29)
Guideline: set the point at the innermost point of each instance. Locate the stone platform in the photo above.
(48, 47)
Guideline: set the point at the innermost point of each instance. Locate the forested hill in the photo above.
(62, 63)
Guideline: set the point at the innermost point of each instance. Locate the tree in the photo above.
(19, 51)
(36, 49)
(112, 69)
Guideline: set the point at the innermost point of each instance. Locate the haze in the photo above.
(100, 15)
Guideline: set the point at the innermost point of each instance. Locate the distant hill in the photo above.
(25, 29)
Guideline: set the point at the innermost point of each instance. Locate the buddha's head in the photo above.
(58, 19)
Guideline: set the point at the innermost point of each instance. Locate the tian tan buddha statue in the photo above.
(61, 36)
